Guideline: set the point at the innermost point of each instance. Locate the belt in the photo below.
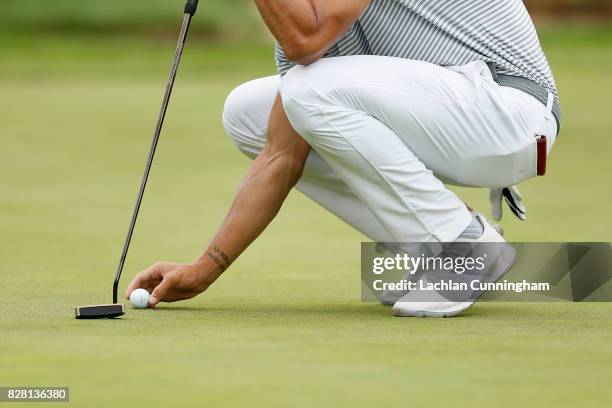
(529, 87)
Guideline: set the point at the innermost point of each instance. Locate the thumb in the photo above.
(160, 292)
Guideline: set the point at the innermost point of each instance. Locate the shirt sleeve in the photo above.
(282, 62)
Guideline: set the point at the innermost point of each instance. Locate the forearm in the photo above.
(260, 196)
(255, 205)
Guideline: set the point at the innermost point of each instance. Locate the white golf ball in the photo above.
(139, 298)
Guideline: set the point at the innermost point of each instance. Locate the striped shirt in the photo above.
(446, 33)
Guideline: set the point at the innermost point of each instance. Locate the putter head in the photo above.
(99, 311)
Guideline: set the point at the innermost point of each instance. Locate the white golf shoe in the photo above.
(390, 297)
(428, 300)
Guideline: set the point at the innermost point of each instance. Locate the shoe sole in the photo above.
(509, 253)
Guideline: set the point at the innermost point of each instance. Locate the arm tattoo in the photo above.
(219, 258)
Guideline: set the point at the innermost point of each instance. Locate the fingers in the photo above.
(160, 293)
(495, 197)
(170, 291)
(515, 201)
(516, 193)
(147, 279)
(512, 197)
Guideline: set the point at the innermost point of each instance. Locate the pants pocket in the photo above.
(500, 170)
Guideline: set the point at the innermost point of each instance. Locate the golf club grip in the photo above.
(191, 7)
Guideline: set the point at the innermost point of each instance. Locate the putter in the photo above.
(116, 309)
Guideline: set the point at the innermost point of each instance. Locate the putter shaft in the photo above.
(189, 11)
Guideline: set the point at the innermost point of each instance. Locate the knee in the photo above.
(239, 117)
(301, 99)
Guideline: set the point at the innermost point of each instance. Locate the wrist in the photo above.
(213, 259)
(201, 265)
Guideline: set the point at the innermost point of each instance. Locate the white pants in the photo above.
(386, 132)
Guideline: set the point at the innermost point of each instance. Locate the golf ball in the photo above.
(139, 298)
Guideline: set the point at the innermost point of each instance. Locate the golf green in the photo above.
(285, 326)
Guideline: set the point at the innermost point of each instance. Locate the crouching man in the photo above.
(377, 104)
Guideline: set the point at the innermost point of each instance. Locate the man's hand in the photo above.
(170, 282)
(512, 197)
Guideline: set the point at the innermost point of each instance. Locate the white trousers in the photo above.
(386, 134)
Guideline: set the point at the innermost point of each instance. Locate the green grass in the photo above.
(215, 18)
(285, 327)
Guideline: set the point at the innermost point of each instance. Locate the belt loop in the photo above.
(549, 105)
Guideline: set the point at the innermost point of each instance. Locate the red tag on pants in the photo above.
(542, 155)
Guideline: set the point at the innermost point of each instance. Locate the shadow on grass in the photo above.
(356, 311)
